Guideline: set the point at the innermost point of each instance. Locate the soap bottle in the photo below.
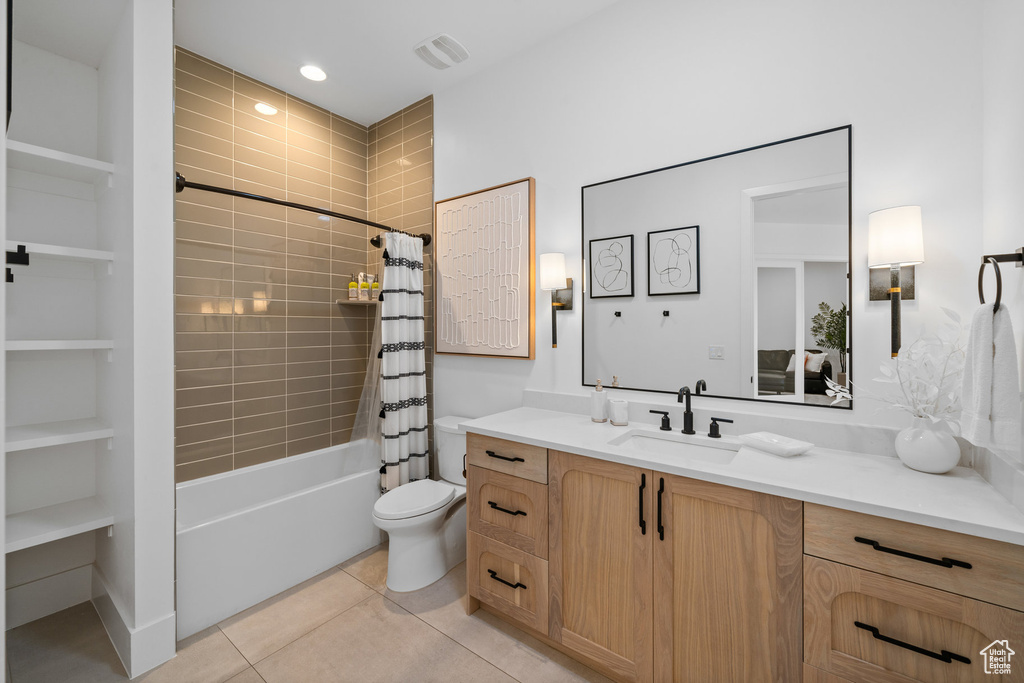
(375, 289)
(599, 404)
(364, 288)
(353, 289)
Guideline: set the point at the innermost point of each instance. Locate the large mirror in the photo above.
(733, 270)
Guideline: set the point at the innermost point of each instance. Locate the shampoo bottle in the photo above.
(599, 404)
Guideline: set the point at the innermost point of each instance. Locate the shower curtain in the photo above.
(396, 384)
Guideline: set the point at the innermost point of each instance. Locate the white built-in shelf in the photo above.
(58, 344)
(36, 159)
(356, 302)
(56, 251)
(45, 434)
(53, 522)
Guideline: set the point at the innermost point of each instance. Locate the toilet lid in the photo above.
(415, 498)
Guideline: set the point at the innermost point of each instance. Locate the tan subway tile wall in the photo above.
(267, 365)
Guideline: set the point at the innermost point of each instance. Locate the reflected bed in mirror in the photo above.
(738, 273)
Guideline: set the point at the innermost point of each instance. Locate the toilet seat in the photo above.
(413, 499)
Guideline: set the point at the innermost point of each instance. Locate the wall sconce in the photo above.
(553, 279)
(895, 238)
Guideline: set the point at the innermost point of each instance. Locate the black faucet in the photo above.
(684, 394)
(700, 386)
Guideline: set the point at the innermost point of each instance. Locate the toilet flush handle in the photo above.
(464, 465)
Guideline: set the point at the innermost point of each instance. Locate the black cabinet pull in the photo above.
(661, 490)
(945, 655)
(495, 506)
(944, 562)
(494, 575)
(492, 454)
(643, 485)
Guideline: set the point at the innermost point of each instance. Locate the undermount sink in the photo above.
(687, 447)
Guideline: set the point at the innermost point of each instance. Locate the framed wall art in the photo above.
(484, 261)
(673, 261)
(611, 267)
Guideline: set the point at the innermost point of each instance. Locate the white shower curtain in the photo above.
(403, 377)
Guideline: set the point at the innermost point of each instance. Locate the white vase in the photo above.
(928, 446)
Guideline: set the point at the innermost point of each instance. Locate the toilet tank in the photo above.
(450, 442)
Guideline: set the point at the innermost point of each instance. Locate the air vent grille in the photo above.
(442, 51)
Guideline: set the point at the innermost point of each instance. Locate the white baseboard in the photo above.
(140, 648)
(40, 598)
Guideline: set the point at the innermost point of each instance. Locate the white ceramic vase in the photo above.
(928, 446)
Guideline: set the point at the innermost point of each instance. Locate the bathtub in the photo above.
(246, 535)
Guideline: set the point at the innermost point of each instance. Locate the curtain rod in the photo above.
(180, 184)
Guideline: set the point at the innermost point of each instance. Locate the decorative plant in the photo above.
(924, 378)
(828, 327)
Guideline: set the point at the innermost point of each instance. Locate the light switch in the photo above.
(716, 352)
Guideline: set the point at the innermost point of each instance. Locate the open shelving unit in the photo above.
(87, 322)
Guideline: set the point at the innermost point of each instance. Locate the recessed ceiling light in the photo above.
(313, 73)
(264, 108)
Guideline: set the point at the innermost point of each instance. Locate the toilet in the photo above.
(426, 520)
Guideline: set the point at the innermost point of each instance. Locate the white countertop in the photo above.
(958, 501)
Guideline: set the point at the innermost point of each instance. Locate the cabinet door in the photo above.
(727, 583)
(600, 531)
(864, 626)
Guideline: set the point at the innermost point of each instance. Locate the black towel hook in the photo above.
(999, 282)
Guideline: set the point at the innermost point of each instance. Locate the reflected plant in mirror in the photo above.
(774, 247)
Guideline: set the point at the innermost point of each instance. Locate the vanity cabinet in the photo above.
(896, 602)
(660, 577)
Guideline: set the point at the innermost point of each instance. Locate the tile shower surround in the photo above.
(266, 364)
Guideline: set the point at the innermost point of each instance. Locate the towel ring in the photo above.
(999, 282)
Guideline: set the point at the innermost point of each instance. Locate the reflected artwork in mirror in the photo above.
(758, 241)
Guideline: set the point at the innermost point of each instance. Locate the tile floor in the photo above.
(343, 625)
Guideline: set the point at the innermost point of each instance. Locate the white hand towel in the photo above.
(991, 392)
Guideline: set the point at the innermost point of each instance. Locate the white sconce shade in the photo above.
(895, 237)
(552, 271)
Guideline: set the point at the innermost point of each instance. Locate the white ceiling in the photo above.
(366, 46)
(814, 207)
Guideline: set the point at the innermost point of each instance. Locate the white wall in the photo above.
(649, 83)
(1004, 154)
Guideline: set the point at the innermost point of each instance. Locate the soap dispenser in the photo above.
(599, 404)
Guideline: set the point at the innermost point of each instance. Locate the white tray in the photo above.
(775, 444)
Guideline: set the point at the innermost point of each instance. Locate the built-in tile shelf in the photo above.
(58, 344)
(356, 302)
(61, 253)
(51, 162)
(42, 435)
(54, 522)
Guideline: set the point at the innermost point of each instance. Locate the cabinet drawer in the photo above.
(509, 580)
(509, 509)
(863, 626)
(510, 457)
(996, 572)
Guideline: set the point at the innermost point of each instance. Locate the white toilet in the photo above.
(426, 520)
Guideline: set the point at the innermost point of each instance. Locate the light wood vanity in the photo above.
(650, 576)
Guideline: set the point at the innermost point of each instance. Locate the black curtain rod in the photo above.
(180, 184)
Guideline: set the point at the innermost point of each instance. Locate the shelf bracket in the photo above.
(110, 531)
(110, 355)
(110, 443)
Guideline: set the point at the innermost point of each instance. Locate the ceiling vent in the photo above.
(441, 51)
